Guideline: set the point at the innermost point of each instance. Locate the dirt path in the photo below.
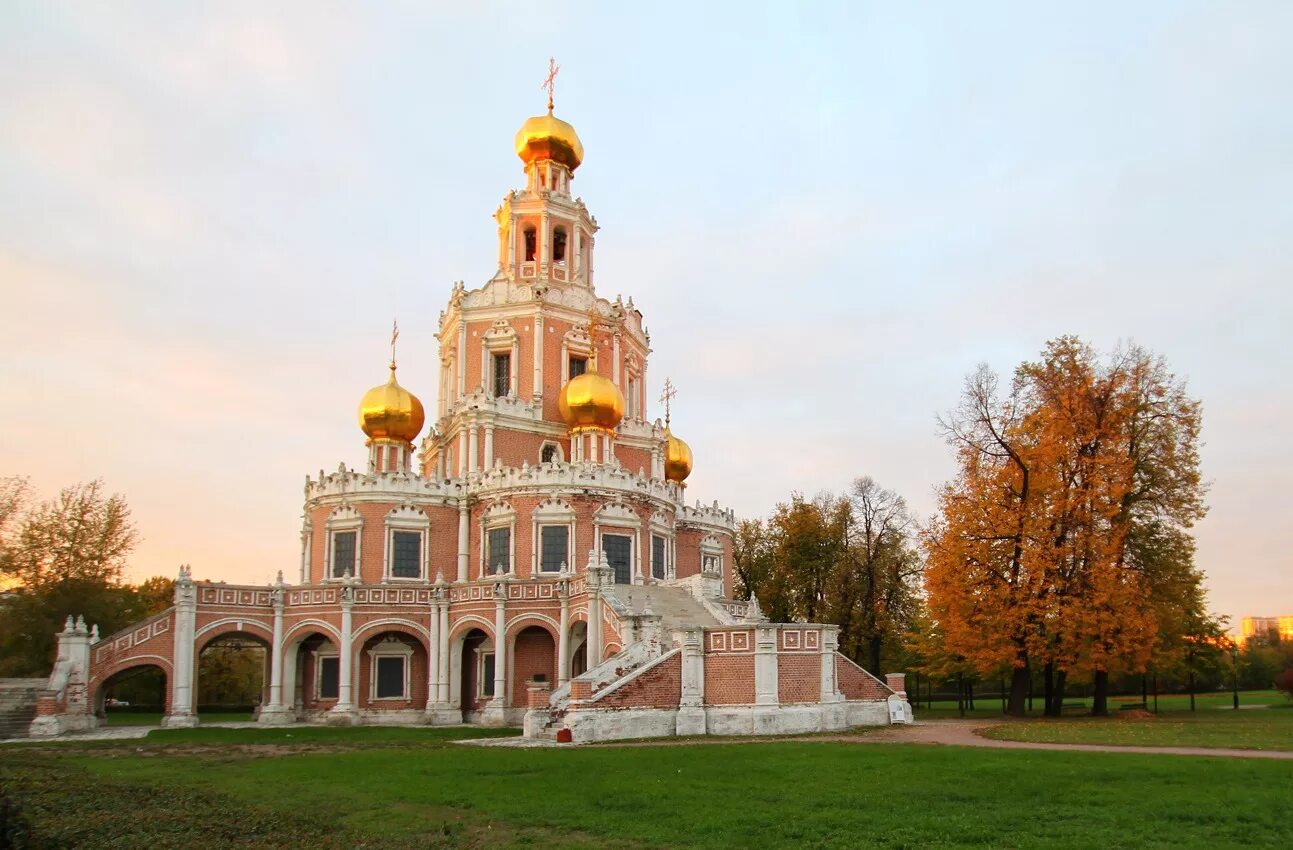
(965, 733)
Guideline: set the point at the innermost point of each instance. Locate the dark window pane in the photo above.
(502, 374)
(657, 556)
(406, 559)
(487, 675)
(549, 454)
(343, 553)
(553, 546)
(390, 676)
(559, 246)
(500, 554)
(578, 366)
(329, 677)
(618, 549)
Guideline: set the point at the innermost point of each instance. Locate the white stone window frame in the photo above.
(406, 518)
(575, 343)
(498, 515)
(343, 518)
(390, 647)
(633, 392)
(553, 512)
(561, 453)
(326, 650)
(617, 518)
(485, 649)
(501, 338)
(660, 527)
(710, 547)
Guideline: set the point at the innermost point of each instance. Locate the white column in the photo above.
(691, 711)
(464, 539)
(489, 447)
(829, 643)
(345, 699)
(765, 666)
(538, 357)
(514, 369)
(594, 440)
(444, 651)
(500, 644)
(276, 650)
(578, 264)
(472, 445)
(594, 577)
(462, 356)
(462, 451)
(181, 713)
(511, 248)
(615, 358)
(563, 639)
(544, 253)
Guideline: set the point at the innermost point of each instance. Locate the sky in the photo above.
(829, 215)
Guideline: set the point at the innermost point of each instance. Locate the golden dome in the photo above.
(677, 458)
(389, 411)
(548, 137)
(591, 401)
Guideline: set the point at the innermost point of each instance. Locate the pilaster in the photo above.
(181, 714)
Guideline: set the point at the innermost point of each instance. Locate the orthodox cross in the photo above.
(551, 82)
(395, 334)
(592, 338)
(666, 398)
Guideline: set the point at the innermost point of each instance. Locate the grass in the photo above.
(1210, 701)
(391, 787)
(1260, 729)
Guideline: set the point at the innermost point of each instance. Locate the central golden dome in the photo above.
(548, 137)
(388, 411)
(591, 401)
(677, 458)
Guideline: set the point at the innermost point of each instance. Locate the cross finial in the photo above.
(395, 334)
(592, 338)
(666, 398)
(550, 82)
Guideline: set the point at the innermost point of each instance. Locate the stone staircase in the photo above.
(675, 606)
(18, 705)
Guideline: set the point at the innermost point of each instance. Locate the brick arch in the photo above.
(467, 623)
(524, 621)
(96, 683)
(311, 627)
(222, 628)
(405, 627)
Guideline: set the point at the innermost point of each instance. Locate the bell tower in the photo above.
(545, 236)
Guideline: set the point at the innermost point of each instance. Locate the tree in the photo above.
(80, 535)
(752, 557)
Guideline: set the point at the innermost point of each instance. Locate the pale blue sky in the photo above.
(208, 217)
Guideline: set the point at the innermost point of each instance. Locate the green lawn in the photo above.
(374, 787)
(1210, 701)
(1251, 729)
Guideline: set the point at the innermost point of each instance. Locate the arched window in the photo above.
(531, 244)
(559, 245)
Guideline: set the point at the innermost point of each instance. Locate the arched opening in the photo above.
(477, 672)
(232, 676)
(534, 658)
(311, 674)
(578, 649)
(134, 696)
(392, 669)
(559, 245)
(531, 243)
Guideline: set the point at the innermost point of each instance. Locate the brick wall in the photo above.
(856, 683)
(534, 652)
(799, 677)
(729, 679)
(658, 687)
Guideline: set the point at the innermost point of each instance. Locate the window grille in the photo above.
(502, 375)
(343, 553)
(406, 555)
(619, 553)
(657, 556)
(390, 676)
(500, 546)
(554, 546)
(578, 366)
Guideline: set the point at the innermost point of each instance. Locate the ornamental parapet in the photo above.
(708, 515)
(482, 403)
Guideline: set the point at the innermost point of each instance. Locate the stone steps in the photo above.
(18, 706)
(675, 605)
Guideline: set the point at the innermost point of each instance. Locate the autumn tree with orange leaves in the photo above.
(1062, 542)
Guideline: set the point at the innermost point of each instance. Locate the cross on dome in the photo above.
(550, 82)
(666, 398)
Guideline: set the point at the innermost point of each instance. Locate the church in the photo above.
(533, 561)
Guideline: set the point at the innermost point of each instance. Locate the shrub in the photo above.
(1284, 682)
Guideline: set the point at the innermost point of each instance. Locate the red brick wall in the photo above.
(729, 679)
(535, 652)
(688, 552)
(799, 678)
(659, 687)
(854, 682)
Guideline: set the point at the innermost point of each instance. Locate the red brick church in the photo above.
(532, 561)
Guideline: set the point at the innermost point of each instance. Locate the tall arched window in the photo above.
(531, 244)
(559, 245)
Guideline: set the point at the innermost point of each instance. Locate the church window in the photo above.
(619, 554)
(486, 678)
(550, 453)
(657, 556)
(502, 374)
(531, 242)
(578, 366)
(554, 547)
(500, 550)
(406, 554)
(559, 245)
(329, 678)
(631, 400)
(390, 676)
(343, 553)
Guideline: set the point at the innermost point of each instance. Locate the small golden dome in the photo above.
(591, 401)
(677, 458)
(548, 137)
(389, 411)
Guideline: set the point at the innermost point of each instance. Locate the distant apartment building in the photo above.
(1252, 627)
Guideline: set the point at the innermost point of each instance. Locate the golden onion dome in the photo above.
(389, 411)
(548, 137)
(677, 458)
(591, 401)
